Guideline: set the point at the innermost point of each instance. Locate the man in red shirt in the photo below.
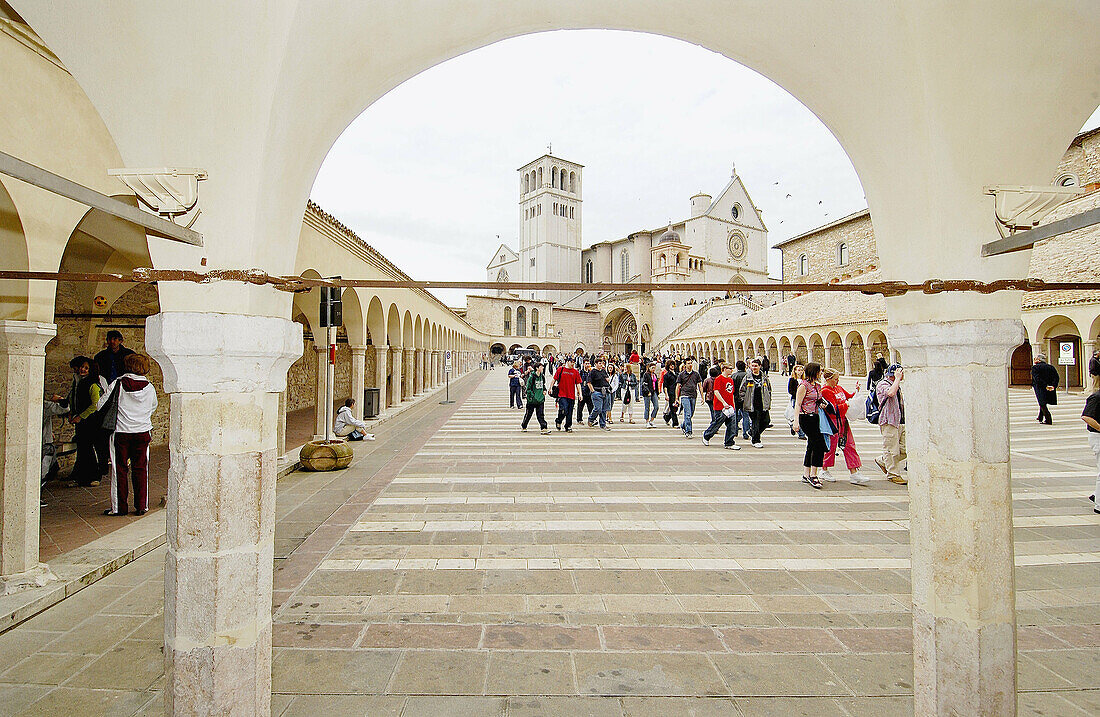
(725, 412)
(567, 378)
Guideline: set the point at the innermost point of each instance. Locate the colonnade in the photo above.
(847, 349)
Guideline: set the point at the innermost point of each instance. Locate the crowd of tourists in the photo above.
(737, 397)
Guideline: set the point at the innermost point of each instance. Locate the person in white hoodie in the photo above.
(133, 400)
(347, 425)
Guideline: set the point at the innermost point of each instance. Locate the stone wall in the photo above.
(1082, 158)
(820, 248)
(301, 380)
(77, 335)
(577, 326)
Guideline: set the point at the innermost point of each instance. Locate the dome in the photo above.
(670, 236)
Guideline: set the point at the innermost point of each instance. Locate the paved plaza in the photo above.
(460, 567)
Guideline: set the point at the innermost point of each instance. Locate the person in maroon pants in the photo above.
(130, 400)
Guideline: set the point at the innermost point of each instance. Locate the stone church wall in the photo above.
(821, 250)
(1082, 158)
(577, 326)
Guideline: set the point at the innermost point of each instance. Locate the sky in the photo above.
(427, 174)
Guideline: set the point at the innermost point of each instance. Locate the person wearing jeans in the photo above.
(515, 386)
(599, 385)
(687, 389)
(535, 385)
(724, 410)
(584, 398)
(568, 380)
(755, 393)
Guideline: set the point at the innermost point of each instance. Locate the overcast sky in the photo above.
(427, 175)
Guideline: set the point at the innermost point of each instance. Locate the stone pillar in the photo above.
(358, 378)
(381, 366)
(847, 360)
(282, 423)
(960, 505)
(22, 366)
(322, 394)
(433, 369)
(418, 372)
(828, 356)
(395, 389)
(224, 373)
(410, 371)
(868, 358)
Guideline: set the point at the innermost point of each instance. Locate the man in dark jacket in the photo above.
(1044, 380)
(110, 358)
(1094, 371)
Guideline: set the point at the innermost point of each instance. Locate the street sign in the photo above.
(447, 373)
(447, 361)
(1065, 354)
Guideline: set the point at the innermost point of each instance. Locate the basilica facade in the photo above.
(723, 240)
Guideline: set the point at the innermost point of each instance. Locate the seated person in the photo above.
(347, 425)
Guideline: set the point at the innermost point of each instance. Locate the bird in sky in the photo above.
(788, 196)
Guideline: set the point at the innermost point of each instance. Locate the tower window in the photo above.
(803, 265)
(588, 271)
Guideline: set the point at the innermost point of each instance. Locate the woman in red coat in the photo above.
(838, 397)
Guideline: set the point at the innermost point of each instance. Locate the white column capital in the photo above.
(25, 338)
(209, 352)
(358, 350)
(985, 342)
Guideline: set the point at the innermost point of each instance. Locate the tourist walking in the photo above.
(891, 424)
(567, 380)
(584, 400)
(807, 400)
(628, 386)
(599, 386)
(348, 426)
(797, 374)
(724, 409)
(687, 390)
(650, 388)
(613, 390)
(535, 385)
(844, 439)
(1044, 381)
(708, 388)
(127, 406)
(744, 421)
(668, 385)
(1094, 371)
(1091, 417)
(515, 386)
(756, 399)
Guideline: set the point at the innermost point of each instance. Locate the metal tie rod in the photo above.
(29, 173)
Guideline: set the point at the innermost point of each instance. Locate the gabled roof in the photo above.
(735, 187)
(843, 220)
(503, 248)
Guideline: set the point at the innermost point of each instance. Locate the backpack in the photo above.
(873, 409)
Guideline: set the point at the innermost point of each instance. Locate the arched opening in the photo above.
(14, 257)
(507, 320)
(534, 322)
(857, 355)
(521, 321)
(1060, 336)
(1020, 365)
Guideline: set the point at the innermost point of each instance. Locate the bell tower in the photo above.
(550, 224)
